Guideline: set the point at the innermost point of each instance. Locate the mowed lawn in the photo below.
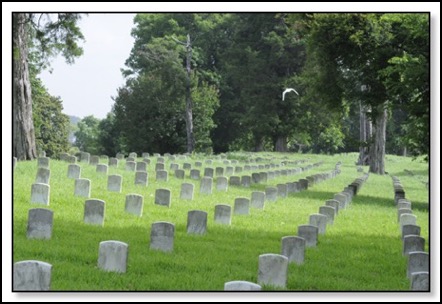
(362, 250)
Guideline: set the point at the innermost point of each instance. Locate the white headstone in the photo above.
(161, 236)
(293, 247)
(163, 197)
(40, 193)
(112, 256)
(102, 168)
(40, 223)
(271, 194)
(329, 212)
(223, 214)
(309, 233)
(186, 191)
(258, 199)
(241, 286)
(94, 212)
(196, 222)
(114, 183)
(162, 175)
(82, 187)
(43, 176)
(32, 275)
(242, 206)
(206, 185)
(418, 261)
(141, 178)
(320, 221)
(272, 270)
(413, 243)
(134, 204)
(221, 183)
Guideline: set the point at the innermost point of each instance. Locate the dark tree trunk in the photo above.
(189, 106)
(23, 135)
(364, 136)
(259, 144)
(281, 143)
(377, 150)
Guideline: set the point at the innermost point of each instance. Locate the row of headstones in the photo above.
(413, 244)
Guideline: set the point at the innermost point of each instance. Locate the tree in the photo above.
(46, 40)
(108, 136)
(86, 138)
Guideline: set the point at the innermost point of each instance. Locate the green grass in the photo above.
(361, 251)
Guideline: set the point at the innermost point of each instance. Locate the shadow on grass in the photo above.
(377, 201)
(423, 172)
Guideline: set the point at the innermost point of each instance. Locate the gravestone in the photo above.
(134, 204)
(221, 183)
(329, 212)
(263, 177)
(71, 159)
(270, 175)
(407, 219)
(272, 270)
(271, 194)
(206, 185)
(160, 160)
(309, 233)
(133, 155)
(14, 162)
(290, 187)
(40, 193)
(226, 162)
(63, 156)
(195, 174)
(130, 159)
(187, 166)
(114, 183)
(174, 166)
(85, 157)
(141, 166)
(162, 235)
(223, 214)
(208, 172)
(410, 230)
(94, 210)
(293, 247)
(403, 211)
(198, 164)
(113, 162)
(159, 166)
(245, 181)
(156, 155)
(208, 162)
(147, 161)
(105, 157)
(102, 169)
(342, 199)
(418, 261)
(162, 175)
(163, 197)
(131, 165)
(303, 184)
(179, 173)
(282, 190)
(196, 222)
(31, 275)
(119, 156)
(334, 204)
(43, 176)
(238, 169)
(412, 243)
(43, 162)
(234, 181)
(320, 221)
(241, 286)
(229, 170)
(403, 205)
(420, 281)
(112, 256)
(186, 191)
(82, 187)
(95, 159)
(145, 154)
(40, 222)
(256, 178)
(219, 171)
(241, 206)
(141, 178)
(258, 199)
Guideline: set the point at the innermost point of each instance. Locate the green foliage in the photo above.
(108, 136)
(86, 137)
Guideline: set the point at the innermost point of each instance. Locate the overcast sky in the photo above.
(86, 87)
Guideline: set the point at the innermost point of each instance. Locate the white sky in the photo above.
(87, 85)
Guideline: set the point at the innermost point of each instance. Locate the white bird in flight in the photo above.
(288, 90)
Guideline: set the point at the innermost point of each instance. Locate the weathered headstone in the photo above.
(234, 180)
(43, 162)
(133, 155)
(130, 165)
(206, 185)
(198, 164)
(112, 256)
(334, 204)
(221, 183)
(245, 181)
(219, 171)
(303, 184)
(40, 223)
(141, 166)
(43, 176)
(113, 162)
(196, 222)
(309, 233)
(186, 191)
(342, 199)
(162, 175)
(208, 172)
(94, 210)
(412, 243)
(102, 168)
(272, 270)
(403, 205)
(238, 169)
(114, 183)
(32, 275)
(145, 154)
(82, 187)
(320, 221)
(174, 166)
(420, 281)
(14, 162)
(229, 170)
(329, 212)
(141, 178)
(40, 193)
(418, 261)
(258, 199)
(208, 162)
(134, 204)
(293, 247)
(407, 219)
(241, 286)
(159, 166)
(85, 157)
(179, 173)
(256, 178)
(271, 194)
(241, 206)
(162, 235)
(119, 156)
(282, 190)
(223, 214)
(160, 160)
(195, 174)
(95, 159)
(403, 211)
(410, 230)
(187, 166)
(163, 197)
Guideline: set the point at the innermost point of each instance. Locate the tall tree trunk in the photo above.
(259, 143)
(281, 143)
(23, 135)
(189, 105)
(377, 151)
(364, 135)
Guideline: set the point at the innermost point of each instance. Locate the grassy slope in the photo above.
(361, 251)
